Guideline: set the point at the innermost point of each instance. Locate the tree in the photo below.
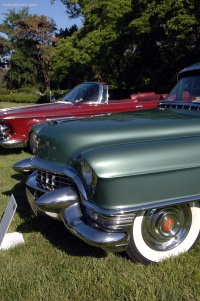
(33, 37)
(74, 8)
(139, 44)
(101, 40)
(167, 35)
(70, 65)
(67, 32)
(5, 48)
(21, 72)
(40, 30)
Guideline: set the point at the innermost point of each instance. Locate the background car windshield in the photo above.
(84, 92)
(186, 90)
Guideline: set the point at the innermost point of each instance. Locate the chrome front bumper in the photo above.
(64, 204)
(12, 143)
(111, 241)
(24, 166)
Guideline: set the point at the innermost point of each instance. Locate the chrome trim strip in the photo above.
(74, 221)
(53, 167)
(61, 120)
(81, 188)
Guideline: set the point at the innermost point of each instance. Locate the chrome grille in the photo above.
(181, 105)
(51, 181)
(111, 221)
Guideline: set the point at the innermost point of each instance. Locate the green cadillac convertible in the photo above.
(126, 181)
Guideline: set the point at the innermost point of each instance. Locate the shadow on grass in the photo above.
(52, 230)
(57, 234)
(11, 151)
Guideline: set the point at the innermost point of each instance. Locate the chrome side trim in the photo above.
(61, 120)
(112, 241)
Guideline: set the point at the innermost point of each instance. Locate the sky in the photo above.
(56, 11)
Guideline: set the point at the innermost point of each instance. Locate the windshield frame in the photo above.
(88, 92)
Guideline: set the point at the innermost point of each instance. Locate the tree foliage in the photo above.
(67, 32)
(5, 48)
(32, 39)
(133, 44)
(139, 44)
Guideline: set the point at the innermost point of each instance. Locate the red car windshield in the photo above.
(83, 92)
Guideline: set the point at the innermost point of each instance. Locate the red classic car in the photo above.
(89, 98)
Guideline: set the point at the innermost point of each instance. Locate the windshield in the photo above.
(84, 92)
(186, 90)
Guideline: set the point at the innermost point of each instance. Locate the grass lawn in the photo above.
(53, 264)
(14, 104)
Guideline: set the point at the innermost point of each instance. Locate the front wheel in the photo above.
(164, 232)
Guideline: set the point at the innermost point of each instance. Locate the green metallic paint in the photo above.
(64, 142)
(147, 189)
(144, 157)
(140, 158)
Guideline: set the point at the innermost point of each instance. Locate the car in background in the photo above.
(86, 99)
(125, 182)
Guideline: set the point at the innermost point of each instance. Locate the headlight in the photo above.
(4, 130)
(88, 174)
(32, 142)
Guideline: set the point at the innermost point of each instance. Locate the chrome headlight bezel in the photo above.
(5, 131)
(33, 141)
(88, 174)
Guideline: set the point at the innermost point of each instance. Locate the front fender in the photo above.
(37, 127)
(144, 157)
(141, 174)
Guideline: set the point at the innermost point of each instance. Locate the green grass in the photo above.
(12, 104)
(53, 264)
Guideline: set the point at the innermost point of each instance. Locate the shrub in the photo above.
(29, 95)
(19, 97)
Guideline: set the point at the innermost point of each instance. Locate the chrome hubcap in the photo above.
(165, 228)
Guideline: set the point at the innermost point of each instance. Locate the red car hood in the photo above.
(40, 110)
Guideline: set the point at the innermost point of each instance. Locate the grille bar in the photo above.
(51, 181)
(117, 220)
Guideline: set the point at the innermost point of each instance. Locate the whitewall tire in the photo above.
(164, 232)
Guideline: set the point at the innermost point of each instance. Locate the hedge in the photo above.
(28, 95)
(21, 98)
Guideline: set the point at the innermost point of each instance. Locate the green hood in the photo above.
(63, 142)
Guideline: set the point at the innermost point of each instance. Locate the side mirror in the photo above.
(79, 100)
